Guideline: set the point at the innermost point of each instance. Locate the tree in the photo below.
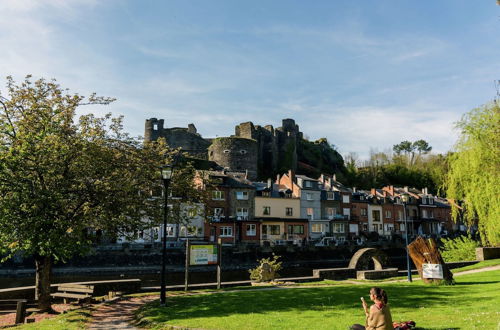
(61, 179)
(408, 149)
(475, 171)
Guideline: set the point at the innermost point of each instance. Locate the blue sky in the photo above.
(364, 74)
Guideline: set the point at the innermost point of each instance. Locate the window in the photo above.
(431, 214)
(341, 239)
(310, 213)
(242, 213)
(400, 215)
(330, 212)
(309, 196)
(226, 231)
(192, 213)
(308, 184)
(365, 227)
(266, 193)
(242, 195)
(218, 195)
(251, 230)
(266, 210)
(376, 215)
(296, 229)
(345, 198)
(424, 200)
(289, 211)
(330, 195)
(363, 212)
(431, 200)
(170, 231)
(388, 214)
(317, 228)
(338, 228)
(271, 229)
(375, 227)
(218, 212)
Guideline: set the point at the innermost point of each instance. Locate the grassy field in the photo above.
(473, 303)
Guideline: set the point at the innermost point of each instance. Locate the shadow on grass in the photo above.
(344, 298)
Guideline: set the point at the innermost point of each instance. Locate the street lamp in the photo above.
(405, 198)
(166, 176)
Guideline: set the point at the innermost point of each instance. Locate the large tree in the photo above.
(62, 178)
(474, 174)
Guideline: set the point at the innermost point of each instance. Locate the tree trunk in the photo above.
(43, 265)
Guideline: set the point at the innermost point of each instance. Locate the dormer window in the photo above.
(330, 195)
(308, 184)
(431, 201)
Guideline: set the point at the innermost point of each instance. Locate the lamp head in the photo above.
(405, 198)
(166, 172)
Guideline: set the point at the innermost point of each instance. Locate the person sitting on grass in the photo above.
(378, 316)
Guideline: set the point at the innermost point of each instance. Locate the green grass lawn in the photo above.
(473, 303)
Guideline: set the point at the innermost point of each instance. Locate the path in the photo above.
(120, 314)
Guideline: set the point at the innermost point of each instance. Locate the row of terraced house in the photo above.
(296, 209)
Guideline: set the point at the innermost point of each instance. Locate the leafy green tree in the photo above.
(474, 173)
(62, 178)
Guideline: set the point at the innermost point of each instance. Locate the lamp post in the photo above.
(404, 198)
(166, 176)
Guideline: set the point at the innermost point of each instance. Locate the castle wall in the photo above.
(235, 153)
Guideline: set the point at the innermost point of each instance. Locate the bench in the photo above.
(74, 291)
(18, 306)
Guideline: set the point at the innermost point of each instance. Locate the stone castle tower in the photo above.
(261, 151)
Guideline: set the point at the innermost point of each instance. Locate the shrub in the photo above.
(267, 270)
(462, 248)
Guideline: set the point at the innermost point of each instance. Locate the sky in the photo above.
(364, 74)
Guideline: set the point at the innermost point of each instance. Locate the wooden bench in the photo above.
(18, 306)
(74, 291)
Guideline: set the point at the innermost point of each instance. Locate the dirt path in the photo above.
(117, 315)
(485, 269)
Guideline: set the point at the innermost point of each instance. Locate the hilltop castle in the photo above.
(261, 151)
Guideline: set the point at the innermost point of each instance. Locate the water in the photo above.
(153, 279)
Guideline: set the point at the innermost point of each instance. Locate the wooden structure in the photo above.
(424, 251)
(18, 306)
(74, 291)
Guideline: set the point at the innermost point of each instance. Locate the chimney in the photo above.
(406, 188)
(391, 190)
(334, 177)
(269, 183)
(353, 189)
(385, 193)
(373, 191)
(426, 192)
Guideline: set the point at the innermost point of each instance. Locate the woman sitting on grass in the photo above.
(378, 316)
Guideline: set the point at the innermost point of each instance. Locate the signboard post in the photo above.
(432, 271)
(219, 259)
(203, 255)
(186, 275)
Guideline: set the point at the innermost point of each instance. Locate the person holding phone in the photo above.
(378, 316)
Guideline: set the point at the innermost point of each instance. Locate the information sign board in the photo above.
(203, 255)
(432, 271)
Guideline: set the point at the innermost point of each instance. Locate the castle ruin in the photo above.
(261, 151)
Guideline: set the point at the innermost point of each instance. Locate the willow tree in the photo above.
(474, 174)
(62, 177)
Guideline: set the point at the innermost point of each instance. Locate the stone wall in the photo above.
(486, 253)
(236, 154)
